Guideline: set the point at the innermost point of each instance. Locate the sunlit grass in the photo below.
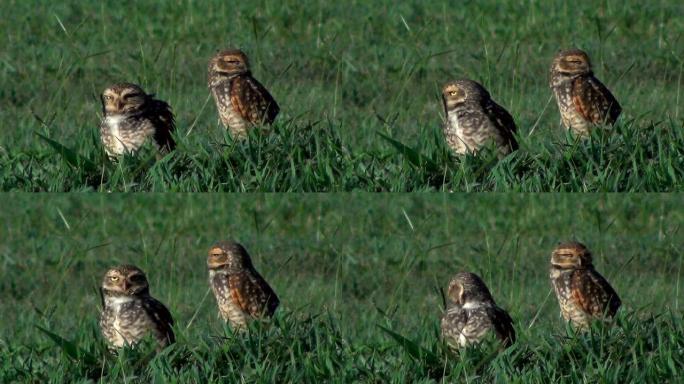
(344, 74)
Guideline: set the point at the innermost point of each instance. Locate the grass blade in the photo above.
(70, 156)
(69, 347)
(413, 156)
(412, 348)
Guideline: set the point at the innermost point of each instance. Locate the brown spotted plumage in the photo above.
(241, 293)
(474, 120)
(129, 313)
(472, 314)
(583, 294)
(131, 118)
(241, 100)
(583, 101)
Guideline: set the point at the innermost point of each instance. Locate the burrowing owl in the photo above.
(129, 312)
(131, 117)
(473, 119)
(472, 314)
(241, 293)
(240, 99)
(582, 99)
(583, 294)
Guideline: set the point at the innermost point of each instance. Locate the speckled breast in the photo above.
(569, 310)
(124, 134)
(464, 138)
(571, 118)
(228, 309)
(230, 118)
(128, 323)
(457, 141)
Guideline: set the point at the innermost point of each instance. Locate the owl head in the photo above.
(468, 287)
(229, 63)
(571, 62)
(459, 92)
(123, 98)
(125, 280)
(230, 256)
(571, 255)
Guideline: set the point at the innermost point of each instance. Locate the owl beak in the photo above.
(119, 105)
(214, 260)
(221, 68)
(125, 286)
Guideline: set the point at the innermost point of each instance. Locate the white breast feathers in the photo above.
(113, 123)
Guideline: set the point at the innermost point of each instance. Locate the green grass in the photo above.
(344, 74)
(359, 279)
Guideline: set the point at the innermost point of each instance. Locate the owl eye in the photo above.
(453, 93)
(107, 98)
(114, 278)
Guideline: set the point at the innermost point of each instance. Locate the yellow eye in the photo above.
(108, 98)
(114, 278)
(453, 93)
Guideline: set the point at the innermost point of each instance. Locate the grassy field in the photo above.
(359, 279)
(358, 83)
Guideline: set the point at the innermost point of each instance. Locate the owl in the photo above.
(474, 120)
(472, 314)
(131, 117)
(582, 99)
(583, 294)
(129, 313)
(241, 100)
(241, 293)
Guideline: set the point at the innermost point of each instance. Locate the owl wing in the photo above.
(504, 123)
(162, 318)
(164, 123)
(593, 293)
(252, 294)
(594, 101)
(252, 101)
(503, 325)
